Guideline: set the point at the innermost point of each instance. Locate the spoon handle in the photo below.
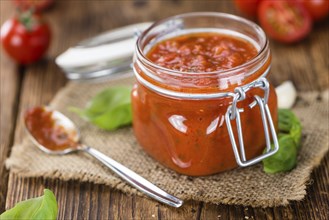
(135, 180)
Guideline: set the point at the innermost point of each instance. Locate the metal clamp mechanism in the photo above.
(233, 112)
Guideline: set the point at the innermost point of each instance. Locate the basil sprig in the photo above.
(43, 207)
(290, 124)
(109, 109)
(289, 136)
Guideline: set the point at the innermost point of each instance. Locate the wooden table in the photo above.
(305, 63)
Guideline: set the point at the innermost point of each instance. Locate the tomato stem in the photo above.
(26, 18)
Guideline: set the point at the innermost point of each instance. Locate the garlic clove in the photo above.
(287, 94)
(325, 95)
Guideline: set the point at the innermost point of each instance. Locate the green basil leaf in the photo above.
(290, 124)
(283, 160)
(289, 136)
(114, 118)
(43, 207)
(286, 119)
(109, 109)
(296, 133)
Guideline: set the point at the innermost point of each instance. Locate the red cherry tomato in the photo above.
(37, 5)
(25, 39)
(319, 9)
(285, 21)
(248, 7)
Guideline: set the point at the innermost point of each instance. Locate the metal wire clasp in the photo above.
(233, 112)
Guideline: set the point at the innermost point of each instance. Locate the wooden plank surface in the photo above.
(305, 63)
(10, 81)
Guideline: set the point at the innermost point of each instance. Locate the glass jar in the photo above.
(201, 123)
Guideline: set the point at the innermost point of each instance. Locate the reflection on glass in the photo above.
(214, 124)
(181, 163)
(177, 121)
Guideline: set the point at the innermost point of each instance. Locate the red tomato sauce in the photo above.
(44, 129)
(202, 52)
(190, 136)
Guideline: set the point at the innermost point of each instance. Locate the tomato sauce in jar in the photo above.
(177, 118)
(202, 52)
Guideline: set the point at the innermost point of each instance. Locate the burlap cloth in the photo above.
(245, 186)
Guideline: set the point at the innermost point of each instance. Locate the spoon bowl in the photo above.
(54, 133)
(59, 120)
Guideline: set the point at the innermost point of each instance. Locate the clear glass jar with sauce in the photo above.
(201, 102)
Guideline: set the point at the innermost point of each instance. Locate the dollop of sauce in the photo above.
(202, 52)
(43, 127)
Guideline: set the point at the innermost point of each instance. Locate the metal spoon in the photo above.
(131, 177)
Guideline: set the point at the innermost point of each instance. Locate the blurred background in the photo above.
(73, 21)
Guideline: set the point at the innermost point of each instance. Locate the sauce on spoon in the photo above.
(48, 131)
